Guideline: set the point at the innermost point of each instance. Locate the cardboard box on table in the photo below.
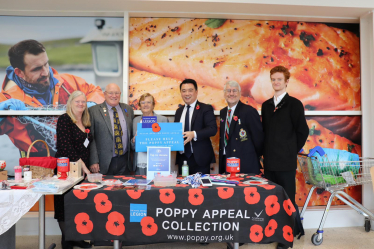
(4, 175)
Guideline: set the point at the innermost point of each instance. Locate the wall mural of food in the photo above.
(324, 61)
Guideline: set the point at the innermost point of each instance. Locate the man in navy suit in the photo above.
(241, 132)
(199, 124)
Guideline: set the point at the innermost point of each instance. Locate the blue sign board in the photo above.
(170, 135)
(148, 121)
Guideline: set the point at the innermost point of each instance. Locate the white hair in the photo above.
(232, 83)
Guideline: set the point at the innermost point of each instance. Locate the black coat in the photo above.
(246, 138)
(204, 124)
(285, 131)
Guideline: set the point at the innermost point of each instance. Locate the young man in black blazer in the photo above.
(199, 124)
(286, 132)
(241, 132)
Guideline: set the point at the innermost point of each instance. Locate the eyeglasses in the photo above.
(80, 102)
(146, 102)
(231, 90)
(113, 93)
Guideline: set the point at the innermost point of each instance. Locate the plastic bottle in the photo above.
(185, 169)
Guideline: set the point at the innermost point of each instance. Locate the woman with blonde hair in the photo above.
(73, 141)
(146, 104)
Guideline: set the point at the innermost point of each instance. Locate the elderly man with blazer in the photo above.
(241, 132)
(286, 132)
(199, 124)
(111, 127)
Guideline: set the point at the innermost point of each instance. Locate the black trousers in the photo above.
(118, 165)
(287, 179)
(192, 165)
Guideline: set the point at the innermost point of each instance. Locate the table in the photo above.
(244, 213)
(19, 202)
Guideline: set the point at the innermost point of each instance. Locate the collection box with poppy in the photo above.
(153, 134)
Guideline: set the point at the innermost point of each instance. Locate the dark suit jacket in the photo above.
(286, 132)
(245, 138)
(204, 124)
(101, 149)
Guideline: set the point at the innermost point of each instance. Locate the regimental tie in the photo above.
(118, 146)
(228, 120)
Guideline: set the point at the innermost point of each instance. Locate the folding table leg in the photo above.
(42, 222)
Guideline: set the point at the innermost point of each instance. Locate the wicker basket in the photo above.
(39, 166)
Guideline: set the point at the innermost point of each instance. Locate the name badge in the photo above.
(86, 142)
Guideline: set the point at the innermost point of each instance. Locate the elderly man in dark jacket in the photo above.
(286, 131)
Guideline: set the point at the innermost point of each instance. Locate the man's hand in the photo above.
(188, 135)
(12, 104)
(94, 168)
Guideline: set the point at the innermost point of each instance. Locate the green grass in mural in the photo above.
(60, 52)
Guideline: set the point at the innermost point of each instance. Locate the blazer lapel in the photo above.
(127, 118)
(223, 124)
(105, 113)
(195, 113)
(233, 122)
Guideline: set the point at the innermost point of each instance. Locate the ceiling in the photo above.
(301, 10)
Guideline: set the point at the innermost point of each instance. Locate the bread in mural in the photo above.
(324, 61)
(166, 92)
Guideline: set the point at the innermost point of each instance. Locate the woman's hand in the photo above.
(84, 168)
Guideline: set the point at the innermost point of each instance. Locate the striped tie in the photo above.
(227, 126)
(118, 146)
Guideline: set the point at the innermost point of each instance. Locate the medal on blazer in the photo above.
(243, 135)
(104, 109)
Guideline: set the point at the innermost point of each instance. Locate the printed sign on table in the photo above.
(158, 161)
(159, 135)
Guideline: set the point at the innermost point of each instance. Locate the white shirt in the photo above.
(183, 118)
(231, 115)
(279, 99)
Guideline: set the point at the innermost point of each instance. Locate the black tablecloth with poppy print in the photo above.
(244, 213)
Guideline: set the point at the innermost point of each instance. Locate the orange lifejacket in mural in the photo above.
(22, 135)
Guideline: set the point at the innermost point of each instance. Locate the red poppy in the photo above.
(115, 224)
(225, 192)
(256, 234)
(87, 130)
(103, 204)
(195, 196)
(135, 193)
(272, 205)
(167, 196)
(197, 107)
(182, 185)
(149, 227)
(236, 118)
(83, 223)
(267, 186)
(156, 127)
(288, 207)
(270, 228)
(80, 194)
(288, 233)
(251, 195)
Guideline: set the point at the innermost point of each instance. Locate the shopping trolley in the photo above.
(334, 176)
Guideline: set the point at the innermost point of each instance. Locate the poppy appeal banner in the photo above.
(245, 213)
